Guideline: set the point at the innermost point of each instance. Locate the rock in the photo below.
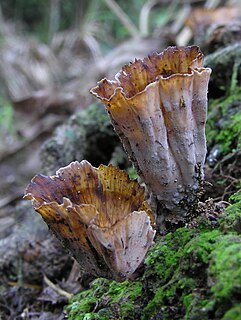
(28, 250)
(225, 65)
(86, 135)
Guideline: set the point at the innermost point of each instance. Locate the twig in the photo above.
(7, 200)
(234, 78)
(24, 285)
(123, 17)
(144, 16)
(211, 4)
(93, 45)
(228, 157)
(57, 289)
(184, 37)
(179, 21)
(32, 134)
(226, 192)
(54, 18)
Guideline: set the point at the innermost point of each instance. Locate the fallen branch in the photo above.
(57, 289)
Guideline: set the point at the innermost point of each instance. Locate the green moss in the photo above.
(230, 133)
(88, 298)
(191, 274)
(233, 314)
(224, 123)
(105, 300)
(226, 267)
(201, 246)
(164, 256)
(181, 267)
(197, 307)
(231, 219)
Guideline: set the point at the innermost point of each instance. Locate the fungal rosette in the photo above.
(158, 108)
(99, 215)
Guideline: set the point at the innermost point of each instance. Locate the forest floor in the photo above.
(193, 273)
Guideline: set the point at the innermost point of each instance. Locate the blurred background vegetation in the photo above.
(44, 18)
(51, 43)
(53, 51)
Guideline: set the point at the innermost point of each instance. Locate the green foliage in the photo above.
(196, 308)
(235, 199)
(85, 15)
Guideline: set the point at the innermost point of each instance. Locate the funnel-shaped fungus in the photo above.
(158, 108)
(98, 214)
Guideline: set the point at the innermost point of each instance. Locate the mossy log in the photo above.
(194, 273)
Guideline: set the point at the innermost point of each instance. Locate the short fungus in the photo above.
(98, 214)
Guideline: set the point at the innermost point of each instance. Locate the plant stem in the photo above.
(123, 17)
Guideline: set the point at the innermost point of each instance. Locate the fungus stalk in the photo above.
(158, 108)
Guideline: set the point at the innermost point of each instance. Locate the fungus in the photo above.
(202, 18)
(158, 108)
(99, 215)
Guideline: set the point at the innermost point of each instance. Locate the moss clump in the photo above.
(225, 266)
(231, 218)
(106, 300)
(180, 264)
(190, 274)
(229, 136)
(224, 123)
(233, 314)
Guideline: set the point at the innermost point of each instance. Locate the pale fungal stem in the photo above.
(158, 107)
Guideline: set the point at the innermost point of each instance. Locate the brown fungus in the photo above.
(158, 107)
(99, 215)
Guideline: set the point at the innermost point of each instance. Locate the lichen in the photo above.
(189, 274)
